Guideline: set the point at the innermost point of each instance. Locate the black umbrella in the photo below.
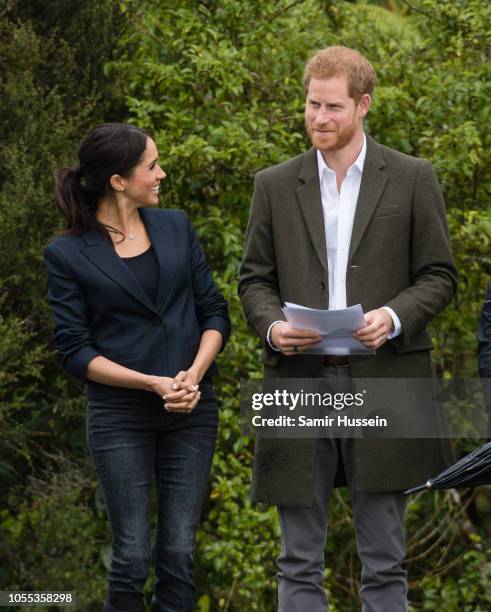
(472, 470)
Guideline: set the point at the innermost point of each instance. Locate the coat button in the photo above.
(322, 285)
(156, 321)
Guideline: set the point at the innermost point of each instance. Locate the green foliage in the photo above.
(66, 537)
(465, 589)
(237, 577)
(219, 84)
(52, 92)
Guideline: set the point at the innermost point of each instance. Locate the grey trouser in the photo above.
(379, 524)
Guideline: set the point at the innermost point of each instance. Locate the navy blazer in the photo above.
(100, 308)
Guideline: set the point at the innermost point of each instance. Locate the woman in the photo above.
(138, 316)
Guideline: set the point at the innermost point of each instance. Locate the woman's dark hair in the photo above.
(110, 148)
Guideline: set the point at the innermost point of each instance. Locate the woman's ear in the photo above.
(117, 182)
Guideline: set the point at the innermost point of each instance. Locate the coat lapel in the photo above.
(372, 185)
(309, 197)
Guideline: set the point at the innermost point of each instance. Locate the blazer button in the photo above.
(156, 321)
(322, 285)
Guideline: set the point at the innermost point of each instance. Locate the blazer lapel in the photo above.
(309, 197)
(372, 185)
(166, 248)
(104, 257)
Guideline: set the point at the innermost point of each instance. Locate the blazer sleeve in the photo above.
(211, 307)
(69, 308)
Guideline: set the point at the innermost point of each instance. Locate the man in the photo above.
(484, 354)
(349, 221)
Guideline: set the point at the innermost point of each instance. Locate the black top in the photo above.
(145, 268)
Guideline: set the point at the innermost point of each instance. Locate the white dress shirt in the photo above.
(339, 209)
(339, 213)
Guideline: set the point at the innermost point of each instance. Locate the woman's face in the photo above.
(142, 187)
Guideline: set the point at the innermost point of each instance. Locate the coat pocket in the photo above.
(385, 211)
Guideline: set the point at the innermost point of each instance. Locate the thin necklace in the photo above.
(131, 236)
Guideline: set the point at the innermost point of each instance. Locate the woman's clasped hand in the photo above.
(180, 394)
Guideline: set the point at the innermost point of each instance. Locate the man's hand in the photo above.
(379, 324)
(291, 341)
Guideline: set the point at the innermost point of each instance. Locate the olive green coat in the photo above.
(399, 256)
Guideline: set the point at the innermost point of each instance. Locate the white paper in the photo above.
(335, 326)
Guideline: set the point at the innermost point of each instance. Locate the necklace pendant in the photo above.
(131, 236)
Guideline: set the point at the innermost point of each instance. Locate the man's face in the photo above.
(332, 118)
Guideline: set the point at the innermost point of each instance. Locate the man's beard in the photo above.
(338, 140)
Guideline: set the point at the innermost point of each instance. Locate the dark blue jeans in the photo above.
(129, 444)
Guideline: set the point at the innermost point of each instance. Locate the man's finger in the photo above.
(301, 342)
(373, 329)
(374, 333)
(371, 338)
(300, 333)
(296, 348)
(375, 342)
(290, 350)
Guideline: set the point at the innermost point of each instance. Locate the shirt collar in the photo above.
(358, 163)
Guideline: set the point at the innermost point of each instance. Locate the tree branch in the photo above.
(421, 11)
(284, 10)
